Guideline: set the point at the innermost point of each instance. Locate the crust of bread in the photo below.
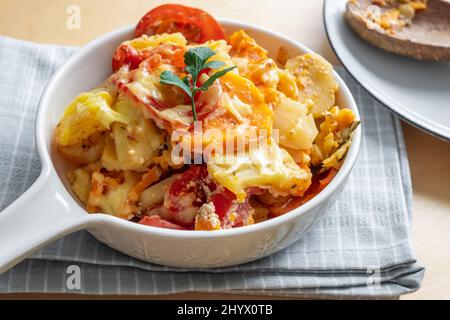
(428, 38)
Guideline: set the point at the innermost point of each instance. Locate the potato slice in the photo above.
(315, 81)
(110, 193)
(132, 146)
(297, 129)
(80, 135)
(80, 181)
(89, 113)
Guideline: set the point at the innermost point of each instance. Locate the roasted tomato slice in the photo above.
(187, 193)
(231, 212)
(128, 55)
(195, 24)
(192, 189)
(223, 201)
(157, 221)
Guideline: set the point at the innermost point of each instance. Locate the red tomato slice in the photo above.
(232, 213)
(126, 54)
(187, 194)
(190, 180)
(195, 24)
(223, 202)
(244, 211)
(156, 221)
(193, 188)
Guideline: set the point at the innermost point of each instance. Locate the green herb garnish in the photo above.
(196, 61)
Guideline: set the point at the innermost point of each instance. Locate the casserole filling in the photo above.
(206, 134)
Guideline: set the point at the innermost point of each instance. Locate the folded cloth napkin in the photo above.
(361, 247)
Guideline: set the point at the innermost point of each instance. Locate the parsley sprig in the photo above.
(196, 60)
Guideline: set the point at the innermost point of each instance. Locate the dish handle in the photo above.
(38, 217)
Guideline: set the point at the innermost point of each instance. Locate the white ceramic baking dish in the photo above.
(48, 211)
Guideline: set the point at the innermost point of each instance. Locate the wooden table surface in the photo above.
(45, 21)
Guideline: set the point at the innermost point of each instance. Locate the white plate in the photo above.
(417, 91)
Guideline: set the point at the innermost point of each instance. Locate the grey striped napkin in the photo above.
(361, 247)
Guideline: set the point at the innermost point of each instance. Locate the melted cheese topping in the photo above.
(111, 194)
(265, 166)
(123, 129)
(149, 42)
(132, 146)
